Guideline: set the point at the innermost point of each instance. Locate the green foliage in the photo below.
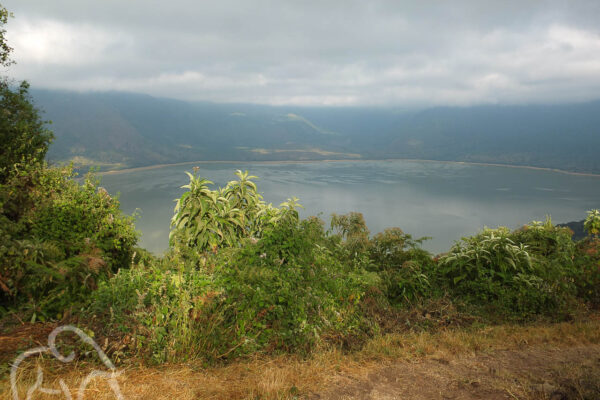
(592, 223)
(288, 292)
(271, 283)
(474, 265)
(587, 260)
(5, 49)
(23, 134)
(404, 267)
(59, 238)
(208, 219)
(289, 286)
(352, 230)
(163, 305)
(522, 273)
(547, 241)
(283, 292)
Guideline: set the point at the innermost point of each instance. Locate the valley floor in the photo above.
(541, 361)
(121, 170)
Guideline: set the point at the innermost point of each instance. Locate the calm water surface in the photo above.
(444, 200)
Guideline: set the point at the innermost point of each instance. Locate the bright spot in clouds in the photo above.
(61, 43)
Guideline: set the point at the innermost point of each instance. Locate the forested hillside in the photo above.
(116, 130)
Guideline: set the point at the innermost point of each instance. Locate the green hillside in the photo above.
(116, 130)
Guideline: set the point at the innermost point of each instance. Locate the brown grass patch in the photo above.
(288, 377)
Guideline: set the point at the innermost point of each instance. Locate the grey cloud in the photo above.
(314, 52)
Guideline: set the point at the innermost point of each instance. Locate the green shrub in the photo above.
(404, 267)
(592, 223)
(554, 253)
(162, 306)
(23, 134)
(283, 292)
(478, 266)
(59, 238)
(588, 262)
(351, 233)
(288, 292)
(547, 241)
(518, 274)
(208, 219)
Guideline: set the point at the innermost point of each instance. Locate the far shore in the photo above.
(157, 166)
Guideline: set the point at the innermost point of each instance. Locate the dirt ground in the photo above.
(533, 373)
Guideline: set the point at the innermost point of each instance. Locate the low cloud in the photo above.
(314, 53)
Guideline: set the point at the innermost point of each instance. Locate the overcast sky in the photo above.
(327, 52)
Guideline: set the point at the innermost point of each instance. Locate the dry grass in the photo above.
(574, 380)
(448, 343)
(288, 377)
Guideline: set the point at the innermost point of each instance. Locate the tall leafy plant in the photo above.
(592, 223)
(521, 273)
(491, 255)
(207, 219)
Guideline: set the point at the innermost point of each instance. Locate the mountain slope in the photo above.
(125, 130)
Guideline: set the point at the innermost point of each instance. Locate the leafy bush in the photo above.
(59, 238)
(526, 272)
(161, 306)
(592, 223)
(208, 219)
(404, 267)
(351, 233)
(478, 265)
(283, 292)
(271, 283)
(588, 262)
(288, 292)
(23, 134)
(547, 241)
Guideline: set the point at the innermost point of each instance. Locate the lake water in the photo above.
(444, 200)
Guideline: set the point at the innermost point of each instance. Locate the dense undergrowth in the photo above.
(242, 277)
(58, 240)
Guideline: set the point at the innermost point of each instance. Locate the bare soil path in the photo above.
(531, 373)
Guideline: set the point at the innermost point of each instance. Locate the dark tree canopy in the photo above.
(23, 134)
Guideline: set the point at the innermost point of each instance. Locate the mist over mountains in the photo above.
(119, 130)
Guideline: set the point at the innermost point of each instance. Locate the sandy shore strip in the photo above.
(157, 166)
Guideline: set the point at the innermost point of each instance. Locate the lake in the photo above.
(443, 200)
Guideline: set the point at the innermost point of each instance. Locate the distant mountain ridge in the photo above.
(118, 130)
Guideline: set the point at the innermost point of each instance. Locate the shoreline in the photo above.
(158, 166)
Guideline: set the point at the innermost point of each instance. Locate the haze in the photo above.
(376, 53)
